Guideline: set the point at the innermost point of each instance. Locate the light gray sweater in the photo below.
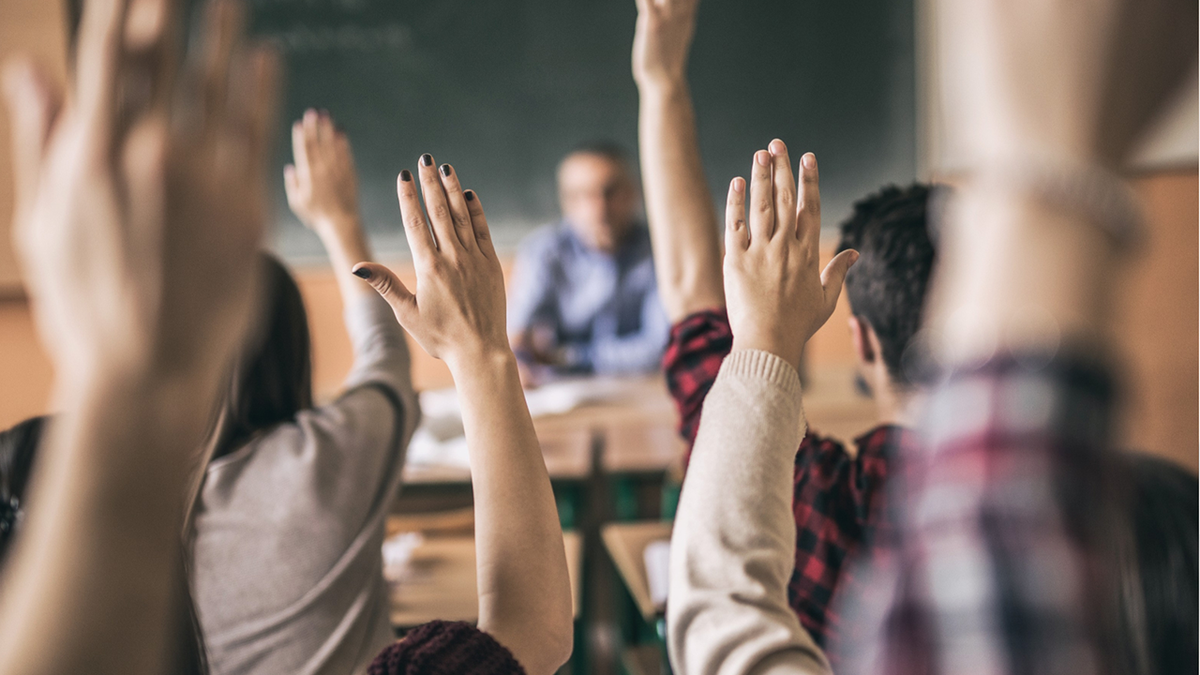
(733, 545)
(287, 565)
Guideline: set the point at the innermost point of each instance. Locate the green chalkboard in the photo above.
(502, 88)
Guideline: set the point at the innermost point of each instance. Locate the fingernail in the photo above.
(445, 169)
(763, 158)
(469, 195)
(405, 175)
(776, 147)
(362, 273)
(809, 160)
(427, 159)
(853, 257)
(738, 185)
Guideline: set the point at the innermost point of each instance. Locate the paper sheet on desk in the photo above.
(439, 440)
(657, 557)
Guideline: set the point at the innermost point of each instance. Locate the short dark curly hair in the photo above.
(887, 285)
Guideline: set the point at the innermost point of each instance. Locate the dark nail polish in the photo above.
(445, 169)
(427, 159)
(470, 195)
(405, 175)
(362, 273)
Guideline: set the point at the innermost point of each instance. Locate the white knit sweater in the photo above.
(733, 546)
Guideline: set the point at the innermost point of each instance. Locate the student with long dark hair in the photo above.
(289, 522)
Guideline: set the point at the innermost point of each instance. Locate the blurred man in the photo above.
(583, 298)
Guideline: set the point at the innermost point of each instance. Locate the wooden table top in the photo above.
(568, 455)
(626, 544)
(441, 581)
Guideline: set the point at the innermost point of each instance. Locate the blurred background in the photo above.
(504, 88)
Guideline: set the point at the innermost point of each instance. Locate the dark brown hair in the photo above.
(272, 379)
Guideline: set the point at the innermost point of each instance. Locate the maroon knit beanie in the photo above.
(446, 647)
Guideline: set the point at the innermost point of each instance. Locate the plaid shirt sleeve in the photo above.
(1005, 508)
(695, 350)
(837, 502)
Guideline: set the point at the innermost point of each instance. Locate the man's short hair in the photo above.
(610, 150)
(887, 285)
(603, 148)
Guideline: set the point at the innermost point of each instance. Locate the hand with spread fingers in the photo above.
(140, 209)
(776, 292)
(122, 207)
(456, 311)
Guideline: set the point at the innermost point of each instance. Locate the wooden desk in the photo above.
(644, 401)
(626, 544)
(567, 451)
(642, 448)
(442, 581)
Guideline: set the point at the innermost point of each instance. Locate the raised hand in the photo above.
(137, 228)
(322, 185)
(776, 292)
(139, 215)
(662, 40)
(456, 311)
(322, 190)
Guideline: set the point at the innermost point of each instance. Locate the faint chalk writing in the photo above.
(302, 39)
(346, 5)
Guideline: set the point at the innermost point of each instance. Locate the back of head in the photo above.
(1160, 577)
(887, 285)
(272, 380)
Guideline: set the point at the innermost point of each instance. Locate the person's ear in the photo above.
(863, 338)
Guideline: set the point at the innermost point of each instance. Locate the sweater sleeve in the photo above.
(732, 549)
(380, 349)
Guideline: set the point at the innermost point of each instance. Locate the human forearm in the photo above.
(732, 550)
(679, 207)
(96, 565)
(346, 244)
(524, 589)
(1020, 276)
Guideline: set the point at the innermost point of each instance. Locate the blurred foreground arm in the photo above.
(1051, 96)
(138, 233)
(456, 313)
(733, 546)
(679, 208)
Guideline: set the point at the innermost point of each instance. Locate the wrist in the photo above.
(788, 350)
(335, 223)
(481, 362)
(662, 87)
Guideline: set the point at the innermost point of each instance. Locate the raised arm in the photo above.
(679, 208)
(322, 190)
(456, 313)
(1020, 428)
(733, 546)
(138, 234)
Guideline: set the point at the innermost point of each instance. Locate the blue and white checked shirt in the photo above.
(602, 310)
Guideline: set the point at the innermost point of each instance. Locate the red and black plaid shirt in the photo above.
(838, 501)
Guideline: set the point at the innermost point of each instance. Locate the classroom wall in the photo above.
(1157, 332)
